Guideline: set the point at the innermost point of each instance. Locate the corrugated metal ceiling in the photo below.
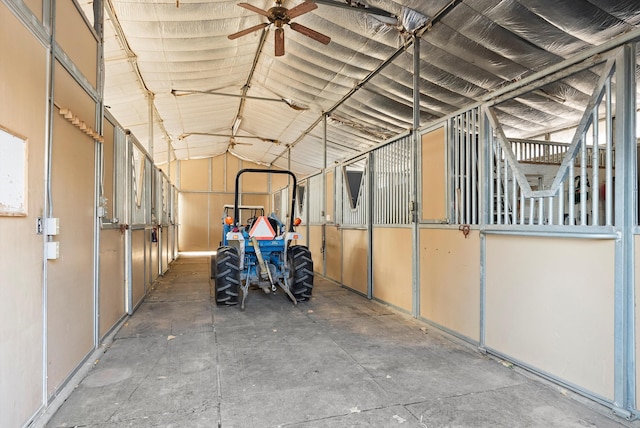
(176, 53)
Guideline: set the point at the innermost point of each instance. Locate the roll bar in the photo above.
(265, 171)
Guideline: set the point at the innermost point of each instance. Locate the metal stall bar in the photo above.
(540, 211)
(532, 202)
(608, 192)
(561, 204)
(456, 136)
(514, 200)
(498, 199)
(595, 166)
(474, 167)
(505, 188)
(583, 180)
(522, 206)
(489, 170)
(572, 194)
(467, 156)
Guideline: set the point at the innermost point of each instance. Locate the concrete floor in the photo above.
(336, 361)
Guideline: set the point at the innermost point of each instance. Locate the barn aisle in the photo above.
(338, 360)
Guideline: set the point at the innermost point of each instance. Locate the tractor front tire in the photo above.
(301, 267)
(227, 273)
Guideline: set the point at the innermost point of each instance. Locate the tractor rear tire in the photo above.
(212, 263)
(227, 273)
(301, 267)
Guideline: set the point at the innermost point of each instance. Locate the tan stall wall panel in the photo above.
(70, 95)
(112, 281)
(637, 314)
(354, 259)
(173, 173)
(450, 280)
(302, 230)
(108, 168)
(254, 182)
(70, 277)
(433, 175)
(194, 229)
(77, 41)
(194, 175)
(217, 173)
(36, 8)
(549, 303)
(334, 253)
(21, 314)
(315, 246)
(257, 200)
(233, 166)
(137, 265)
(392, 278)
(279, 181)
(329, 197)
(217, 202)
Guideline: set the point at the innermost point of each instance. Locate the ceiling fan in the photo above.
(279, 16)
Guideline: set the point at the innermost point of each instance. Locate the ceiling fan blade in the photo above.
(279, 41)
(319, 37)
(252, 8)
(302, 8)
(247, 31)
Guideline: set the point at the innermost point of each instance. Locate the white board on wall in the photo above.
(13, 174)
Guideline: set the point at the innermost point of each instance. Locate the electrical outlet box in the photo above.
(53, 250)
(52, 226)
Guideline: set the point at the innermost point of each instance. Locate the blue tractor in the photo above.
(259, 251)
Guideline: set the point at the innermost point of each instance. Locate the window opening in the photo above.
(354, 174)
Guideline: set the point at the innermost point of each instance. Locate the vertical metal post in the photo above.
(49, 23)
(415, 259)
(625, 215)
(98, 11)
(595, 178)
(485, 179)
(324, 192)
(372, 171)
(128, 237)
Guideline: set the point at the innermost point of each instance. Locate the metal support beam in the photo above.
(415, 259)
(324, 192)
(625, 216)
